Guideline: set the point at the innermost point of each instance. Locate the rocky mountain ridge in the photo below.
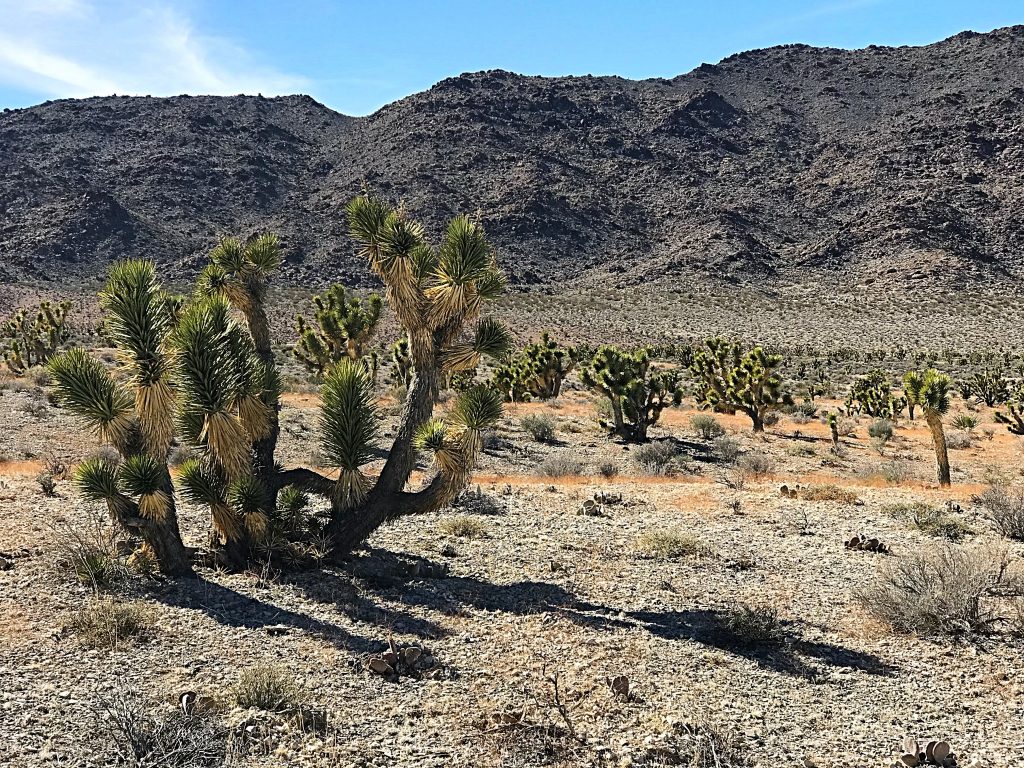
(880, 165)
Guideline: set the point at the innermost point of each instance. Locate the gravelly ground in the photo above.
(545, 592)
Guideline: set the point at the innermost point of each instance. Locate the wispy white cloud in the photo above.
(61, 48)
(819, 11)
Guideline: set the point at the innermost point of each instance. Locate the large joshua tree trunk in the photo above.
(934, 421)
(757, 419)
(162, 536)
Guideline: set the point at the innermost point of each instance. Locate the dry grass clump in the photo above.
(698, 744)
(142, 739)
(755, 466)
(753, 625)
(463, 527)
(608, 469)
(88, 551)
(946, 590)
(828, 492)
(957, 440)
(670, 545)
(726, 448)
(934, 521)
(265, 687)
(560, 465)
(106, 623)
(1005, 509)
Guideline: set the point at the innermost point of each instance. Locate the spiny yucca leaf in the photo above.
(464, 258)
(492, 284)
(434, 436)
(477, 408)
(491, 339)
(263, 252)
(137, 319)
(207, 374)
(292, 500)
(97, 479)
(154, 404)
(141, 474)
(84, 385)
(349, 421)
(229, 255)
(198, 483)
(225, 437)
(247, 495)
(366, 215)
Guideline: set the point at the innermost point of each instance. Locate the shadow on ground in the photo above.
(793, 655)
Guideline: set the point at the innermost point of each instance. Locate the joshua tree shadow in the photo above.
(236, 609)
(792, 654)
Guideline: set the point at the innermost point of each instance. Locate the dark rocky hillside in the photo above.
(886, 165)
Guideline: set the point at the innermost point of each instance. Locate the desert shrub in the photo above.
(965, 421)
(828, 492)
(540, 427)
(608, 469)
(755, 465)
(942, 591)
(269, 688)
(753, 625)
(934, 521)
(47, 483)
(771, 419)
(958, 441)
(881, 429)
(104, 453)
(706, 426)
(727, 449)
(669, 545)
(107, 623)
(560, 465)
(802, 451)
(895, 471)
(656, 458)
(699, 744)
(463, 527)
(1004, 509)
(141, 739)
(89, 553)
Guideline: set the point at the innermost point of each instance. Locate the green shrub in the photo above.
(706, 426)
(881, 429)
(727, 449)
(540, 427)
(559, 465)
(656, 458)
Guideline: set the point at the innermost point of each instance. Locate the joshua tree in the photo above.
(536, 372)
(933, 398)
(913, 387)
(437, 295)
(637, 393)
(401, 363)
(871, 394)
(341, 328)
(731, 380)
(833, 428)
(135, 414)
(225, 393)
(991, 386)
(32, 338)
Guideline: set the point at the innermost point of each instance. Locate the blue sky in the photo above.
(358, 56)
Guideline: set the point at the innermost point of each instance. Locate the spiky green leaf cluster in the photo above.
(349, 420)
